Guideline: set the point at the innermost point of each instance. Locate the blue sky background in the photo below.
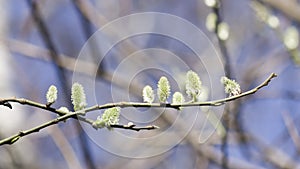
(255, 50)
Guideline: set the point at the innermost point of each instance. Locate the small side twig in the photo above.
(133, 127)
(12, 139)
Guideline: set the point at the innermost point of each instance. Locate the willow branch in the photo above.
(16, 137)
(79, 114)
(12, 139)
(177, 106)
(219, 102)
(133, 127)
(6, 102)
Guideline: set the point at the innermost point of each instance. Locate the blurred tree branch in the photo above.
(289, 7)
(292, 130)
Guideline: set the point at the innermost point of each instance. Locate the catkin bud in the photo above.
(193, 85)
(177, 98)
(78, 97)
(231, 86)
(108, 118)
(163, 91)
(51, 95)
(148, 94)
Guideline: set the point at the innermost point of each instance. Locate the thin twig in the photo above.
(177, 106)
(292, 129)
(133, 127)
(12, 139)
(139, 104)
(23, 101)
(78, 115)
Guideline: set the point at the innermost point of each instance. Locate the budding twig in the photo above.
(79, 116)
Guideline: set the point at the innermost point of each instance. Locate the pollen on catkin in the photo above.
(108, 118)
(163, 90)
(78, 97)
(193, 85)
(231, 87)
(148, 94)
(51, 94)
(177, 98)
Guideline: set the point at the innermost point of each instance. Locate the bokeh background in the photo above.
(40, 42)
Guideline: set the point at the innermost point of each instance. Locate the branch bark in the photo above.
(79, 114)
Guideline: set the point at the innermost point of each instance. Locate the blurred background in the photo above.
(41, 44)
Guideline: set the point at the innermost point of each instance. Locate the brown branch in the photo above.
(177, 106)
(273, 154)
(289, 8)
(292, 130)
(133, 127)
(12, 139)
(90, 13)
(41, 106)
(65, 147)
(78, 115)
(138, 104)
